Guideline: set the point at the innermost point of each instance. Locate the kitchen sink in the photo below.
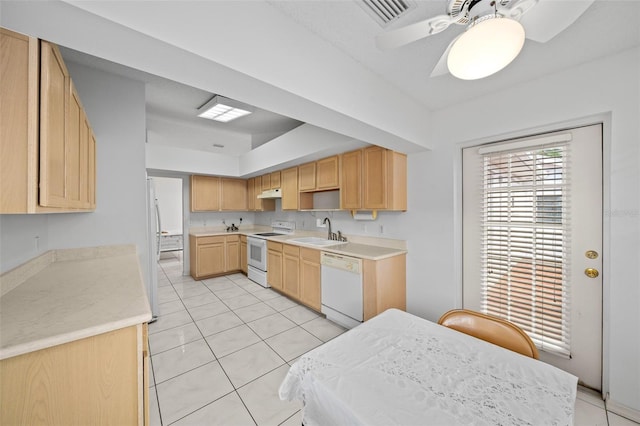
(316, 241)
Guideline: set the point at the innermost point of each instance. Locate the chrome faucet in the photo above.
(329, 233)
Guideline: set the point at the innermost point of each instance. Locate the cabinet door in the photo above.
(290, 189)
(307, 177)
(96, 380)
(205, 193)
(210, 259)
(233, 194)
(275, 180)
(351, 180)
(291, 271)
(75, 146)
(310, 291)
(328, 173)
(54, 93)
(274, 269)
(91, 170)
(243, 256)
(251, 199)
(266, 182)
(233, 254)
(375, 178)
(19, 58)
(257, 189)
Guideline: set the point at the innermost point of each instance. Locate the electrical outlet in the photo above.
(382, 229)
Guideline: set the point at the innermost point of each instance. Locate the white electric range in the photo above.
(257, 250)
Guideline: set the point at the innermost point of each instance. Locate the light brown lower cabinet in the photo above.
(296, 273)
(274, 265)
(291, 270)
(384, 285)
(101, 379)
(232, 253)
(214, 255)
(310, 291)
(244, 267)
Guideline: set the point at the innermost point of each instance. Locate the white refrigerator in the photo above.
(153, 237)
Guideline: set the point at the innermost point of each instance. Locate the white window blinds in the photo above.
(525, 239)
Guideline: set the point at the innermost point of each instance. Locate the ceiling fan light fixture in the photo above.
(485, 48)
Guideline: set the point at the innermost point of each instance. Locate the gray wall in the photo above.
(116, 109)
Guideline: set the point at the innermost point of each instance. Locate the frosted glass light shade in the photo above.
(485, 48)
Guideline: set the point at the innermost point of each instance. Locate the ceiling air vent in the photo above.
(385, 11)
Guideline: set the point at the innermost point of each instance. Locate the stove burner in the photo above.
(267, 234)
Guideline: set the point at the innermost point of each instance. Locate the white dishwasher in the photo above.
(341, 283)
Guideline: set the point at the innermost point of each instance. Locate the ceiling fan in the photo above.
(495, 32)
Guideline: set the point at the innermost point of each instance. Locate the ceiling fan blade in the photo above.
(441, 67)
(517, 8)
(413, 32)
(550, 17)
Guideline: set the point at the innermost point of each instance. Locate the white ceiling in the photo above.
(607, 27)
(268, 46)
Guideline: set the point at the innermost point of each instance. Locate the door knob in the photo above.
(591, 272)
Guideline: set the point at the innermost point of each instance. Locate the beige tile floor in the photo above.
(221, 347)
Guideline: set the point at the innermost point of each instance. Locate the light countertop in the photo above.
(363, 247)
(66, 295)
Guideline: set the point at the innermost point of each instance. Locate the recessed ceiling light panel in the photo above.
(223, 109)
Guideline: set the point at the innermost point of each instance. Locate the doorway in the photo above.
(532, 242)
(170, 206)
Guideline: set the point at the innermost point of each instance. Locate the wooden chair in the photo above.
(491, 329)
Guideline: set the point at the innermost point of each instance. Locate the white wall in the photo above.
(609, 87)
(169, 196)
(116, 109)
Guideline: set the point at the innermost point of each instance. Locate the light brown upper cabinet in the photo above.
(54, 97)
(266, 182)
(289, 188)
(351, 184)
(205, 193)
(47, 145)
(251, 196)
(307, 177)
(380, 185)
(321, 175)
(259, 204)
(214, 193)
(275, 180)
(328, 173)
(233, 194)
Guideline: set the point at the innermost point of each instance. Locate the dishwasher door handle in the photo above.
(336, 261)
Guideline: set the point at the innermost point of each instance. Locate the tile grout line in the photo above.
(243, 323)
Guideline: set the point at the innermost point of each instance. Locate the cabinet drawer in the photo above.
(274, 246)
(231, 238)
(291, 250)
(311, 255)
(210, 240)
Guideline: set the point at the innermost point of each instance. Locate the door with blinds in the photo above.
(532, 242)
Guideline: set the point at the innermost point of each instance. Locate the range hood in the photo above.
(271, 193)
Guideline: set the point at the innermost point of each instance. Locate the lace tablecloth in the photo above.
(399, 369)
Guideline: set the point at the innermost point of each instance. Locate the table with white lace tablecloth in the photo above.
(399, 369)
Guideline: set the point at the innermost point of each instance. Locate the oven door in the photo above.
(257, 253)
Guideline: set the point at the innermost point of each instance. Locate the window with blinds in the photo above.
(525, 240)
